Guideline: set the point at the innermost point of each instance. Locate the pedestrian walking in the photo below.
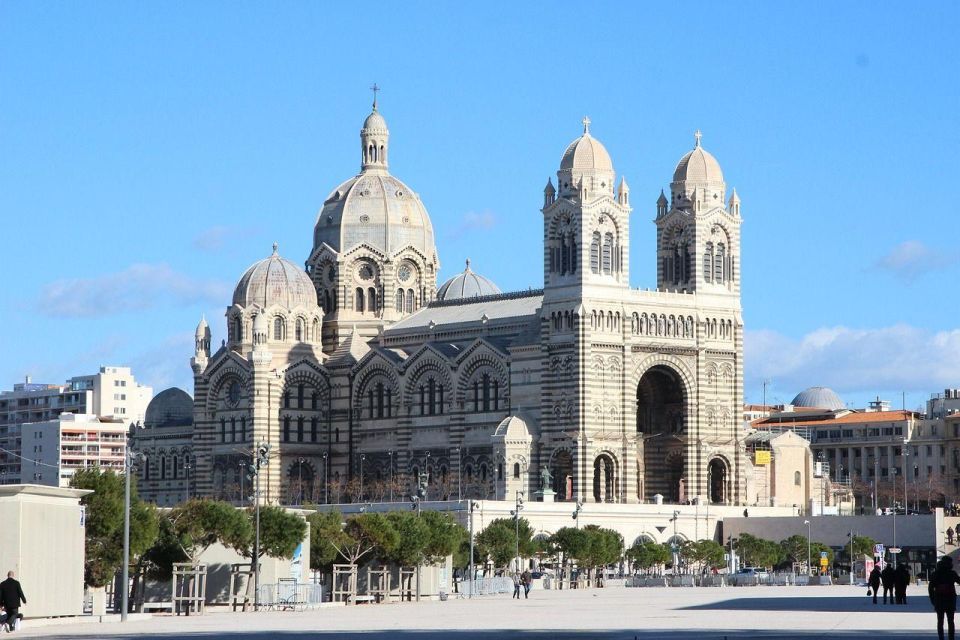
(886, 579)
(527, 581)
(943, 594)
(11, 595)
(901, 578)
(516, 585)
(874, 582)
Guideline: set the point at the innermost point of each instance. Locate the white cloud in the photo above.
(475, 221)
(912, 258)
(848, 360)
(136, 288)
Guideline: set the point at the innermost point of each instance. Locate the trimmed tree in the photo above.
(498, 541)
(324, 528)
(363, 534)
(104, 523)
(647, 555)
(200, 523)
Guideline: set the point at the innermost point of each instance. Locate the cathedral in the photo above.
(367, 380)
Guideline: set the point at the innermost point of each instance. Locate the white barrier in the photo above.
(297, 596)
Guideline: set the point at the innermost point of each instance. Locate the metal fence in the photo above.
(711, 580)
(290, 595)
(487, 586)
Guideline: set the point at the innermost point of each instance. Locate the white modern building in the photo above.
(112, 393)
(53, 450)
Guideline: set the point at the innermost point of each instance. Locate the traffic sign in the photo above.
(895, 550)
(878, 549)
(823, 555)
(823, 561)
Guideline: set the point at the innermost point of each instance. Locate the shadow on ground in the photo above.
(843, 604)
(496, 634)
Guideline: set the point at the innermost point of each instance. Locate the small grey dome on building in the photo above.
(819, 398)
(171, 407)
(698, 166)
(466, 284)
(275, 281)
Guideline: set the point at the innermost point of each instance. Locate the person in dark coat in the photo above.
(874, 582)
(10, 597)
(943, 594)
(901, 578)
(886, 579)
(527, 581)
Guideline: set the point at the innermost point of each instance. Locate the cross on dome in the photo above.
(586, 124)
(375, 89)
(697, 136)
(275, 247)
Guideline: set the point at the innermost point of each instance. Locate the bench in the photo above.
(157, 606)
(364, 599)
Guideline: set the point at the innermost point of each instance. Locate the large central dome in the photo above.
(374, 207)
(275, 281)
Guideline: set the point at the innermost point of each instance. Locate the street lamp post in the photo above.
(326, 479)
(473, 573)
(363, 457)
(673, 543)
(807, 522)
(459, 470)
(390, 453)
(125, 574)
(263, 452)
(300, 462)
(187, 467)
(576, 513)
(243, 471)
(823, 484)
(876, 479)
(894, 483)
(851, 557)
(518, 507)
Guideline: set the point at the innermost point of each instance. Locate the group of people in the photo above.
(894, 582)
(11, 596)
(522, 580)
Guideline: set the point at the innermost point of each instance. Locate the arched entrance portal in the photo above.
(563, 479)
(717, 472)
(661, 422)
(604, 479)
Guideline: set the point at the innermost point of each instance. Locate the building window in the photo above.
(516, 469)
(399, 301)
(278, 328)
(595, 253)
(299, 330)
(359, 302)
(796, 478)
(286, 428)
(313, 429)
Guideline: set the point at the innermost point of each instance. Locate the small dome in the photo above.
(466, 284)
(170, 408)
(275, 281)
(698, 166)
(586, 153)
(375, 122)
(202, 327)
(819, 398)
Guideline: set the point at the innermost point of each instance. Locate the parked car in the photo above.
(759, 572)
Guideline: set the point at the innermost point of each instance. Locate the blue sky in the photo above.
(152, 151)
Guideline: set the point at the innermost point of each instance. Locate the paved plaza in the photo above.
(608, 614)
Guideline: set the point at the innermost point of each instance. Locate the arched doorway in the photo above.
(563, 478)
(604, 479)
(661, 422)
(717, 477)
(300, 482)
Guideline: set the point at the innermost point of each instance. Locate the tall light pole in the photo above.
(807, 522)
(187, 467)
(326, 479)
(894, 483)
(459, 470)
(473, 572)
(263, 453)
(851, 557)
(876, 479)
(363, 457)
(576, 513)
(243, 471)
(518, 507)
(906, 468)
(300, 462)
(390, 453)
(673, 544)
(125, 574)
(823, 483)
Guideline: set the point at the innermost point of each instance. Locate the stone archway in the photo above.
(564, 479)
(718, 478)
(661, 422)
(604, 478)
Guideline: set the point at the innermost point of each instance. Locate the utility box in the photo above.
(42, 541)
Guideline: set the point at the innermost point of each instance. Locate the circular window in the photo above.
(365, 272)
(331, 274)
(404, 272)
(406, 220)
(233, 394)
(364, 219)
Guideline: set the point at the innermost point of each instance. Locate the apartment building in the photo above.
(113, 394)
(53, 450)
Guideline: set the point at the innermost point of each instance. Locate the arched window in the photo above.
(608, 254)
(796, 478)
(286, 428)
(299, 428)
(400, 305)
(146, 469)
(411, 301)
(564, 255)
(372, 300)
(708, 263)
(163, 467)
(359, 303)
(315, 332)
(278, 328)
(516, 469)
(718, 260)
(238, 329)
(595, 253)
(299, 330)
(176, 466)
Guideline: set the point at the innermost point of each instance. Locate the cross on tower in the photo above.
(374, 88)
(586, 124)
(697, 136)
